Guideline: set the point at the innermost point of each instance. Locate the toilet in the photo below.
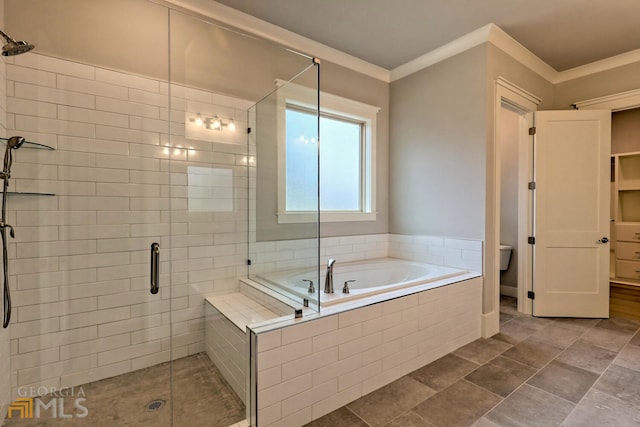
(505, 256)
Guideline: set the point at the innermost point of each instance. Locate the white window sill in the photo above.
(309, 217)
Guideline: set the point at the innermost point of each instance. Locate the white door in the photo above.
(571, 213)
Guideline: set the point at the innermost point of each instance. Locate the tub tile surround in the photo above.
(448, 251)
(308, 368)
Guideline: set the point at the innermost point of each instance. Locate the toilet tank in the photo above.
(505, 256)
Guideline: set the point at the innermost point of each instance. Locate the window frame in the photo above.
(305, 98)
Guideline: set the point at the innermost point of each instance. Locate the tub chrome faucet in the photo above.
(312, 288)
(345, 288)
(328, 280)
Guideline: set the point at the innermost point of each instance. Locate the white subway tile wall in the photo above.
(288, 254)
(227, 348)
(5, 344)
(312, 368)
(80, 262)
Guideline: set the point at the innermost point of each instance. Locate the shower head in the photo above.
(15, 142)
(13, 47)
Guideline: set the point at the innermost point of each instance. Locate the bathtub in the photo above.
(372, 277)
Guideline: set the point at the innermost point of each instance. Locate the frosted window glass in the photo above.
(340, 163)
(301, 161)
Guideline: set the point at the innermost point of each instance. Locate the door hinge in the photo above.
(531, 295)
(532, 130)
(248, 130)
(532, 186)
(531, 240)
(248, 262)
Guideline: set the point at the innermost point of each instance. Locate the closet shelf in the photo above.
(35, 145)
(624, 281)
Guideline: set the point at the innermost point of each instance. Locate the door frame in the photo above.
(516, 96)
(525, 102)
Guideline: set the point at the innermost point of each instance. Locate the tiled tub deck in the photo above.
(306, 368)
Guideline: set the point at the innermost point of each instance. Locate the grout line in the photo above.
(601, 374)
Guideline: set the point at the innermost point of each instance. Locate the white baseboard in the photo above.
(509, 291)
(490, 324)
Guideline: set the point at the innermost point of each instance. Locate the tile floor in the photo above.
(535, 372)
(202, 398)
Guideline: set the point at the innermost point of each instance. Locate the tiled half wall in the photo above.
(309, 369)
(287, 254)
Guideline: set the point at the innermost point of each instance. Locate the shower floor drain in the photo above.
(154, 405)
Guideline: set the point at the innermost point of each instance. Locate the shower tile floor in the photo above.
(202, 398)
(535, 372)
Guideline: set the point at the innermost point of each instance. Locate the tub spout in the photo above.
(328, 280)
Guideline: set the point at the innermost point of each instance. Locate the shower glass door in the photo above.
(87, 213)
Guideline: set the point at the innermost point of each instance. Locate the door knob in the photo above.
(603, 240)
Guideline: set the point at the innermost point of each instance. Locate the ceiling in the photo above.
(388, 33)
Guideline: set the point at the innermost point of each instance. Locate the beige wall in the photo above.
(438, 147)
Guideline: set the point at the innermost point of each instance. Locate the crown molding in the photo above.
(461, 44)
(489, 33)
(513, 48)
(598, 66)
(288, 39)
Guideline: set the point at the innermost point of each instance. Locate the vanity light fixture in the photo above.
(213, 123)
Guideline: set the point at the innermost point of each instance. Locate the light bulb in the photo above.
(199, 121)
(231, 126)
(216, 124)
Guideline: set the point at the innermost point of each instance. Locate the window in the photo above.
(347, 157)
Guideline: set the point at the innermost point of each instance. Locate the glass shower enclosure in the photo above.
(154, 200)
(284, 216)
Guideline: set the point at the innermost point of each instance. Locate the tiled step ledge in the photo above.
(255, 305)
(241, 310)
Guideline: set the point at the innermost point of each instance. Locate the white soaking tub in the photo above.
(372, 277)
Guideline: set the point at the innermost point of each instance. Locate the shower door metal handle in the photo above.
(155, 268)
